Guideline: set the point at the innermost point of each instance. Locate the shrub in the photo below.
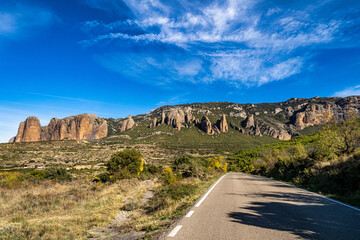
(185, 160)
(38, 174)
(169, 177)
(165, 194)
(102, 177)
(151, 170)
(217, 163)
(129, 160)
(11, 179)
(57, 173)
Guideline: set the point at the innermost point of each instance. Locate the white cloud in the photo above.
(270, 49)
(189, 68)
(352, 91)
(253, 67)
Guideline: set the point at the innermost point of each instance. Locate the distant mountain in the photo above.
(186, 122)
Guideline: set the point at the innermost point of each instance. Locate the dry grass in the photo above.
(154, 221)
(67, 210)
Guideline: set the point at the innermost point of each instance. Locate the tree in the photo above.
(129, 160)
(341, 138)
(349, 131)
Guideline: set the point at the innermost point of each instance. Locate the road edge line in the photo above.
(313, 193)
(175, 231)
(189, 214)
(208, 192)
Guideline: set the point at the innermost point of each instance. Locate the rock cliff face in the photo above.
(78, 127)
(249, 122)
(314, 114)
(29, 131)
(175, 118)
(127, 124)
(282, 120)
(162, 118)
(206, 126)
(153, 123)
(222, 124)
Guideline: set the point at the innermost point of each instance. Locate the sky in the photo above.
(119, 57)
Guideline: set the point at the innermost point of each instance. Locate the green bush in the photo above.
(11, 179)
(171, 192)
(191, 167)
(152, 170)
(57, 173)
(169, 177)
(129, 160)
(102, 177)
(38, 174)
(185, 160)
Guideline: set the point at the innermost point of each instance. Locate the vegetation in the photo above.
(327, 162)
(34, 208)
(126, 163)
(56, 203)
(180, 185)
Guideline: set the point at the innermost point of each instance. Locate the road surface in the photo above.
(241, 206)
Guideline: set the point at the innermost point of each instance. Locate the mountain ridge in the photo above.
(280, 120)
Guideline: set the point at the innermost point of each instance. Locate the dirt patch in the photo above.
(136, 199)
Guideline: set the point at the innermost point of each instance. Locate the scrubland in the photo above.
(78, 204)
(327, 162)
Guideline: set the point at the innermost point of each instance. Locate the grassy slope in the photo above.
(189, 139)
(65, 210)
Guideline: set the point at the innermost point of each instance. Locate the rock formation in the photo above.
(314, 114)
(289, 111)
(249, 122)
(162, 118)
(29, 131)
(189, 118)
(127, 124)
(175, 118)
(78, 127)
(277, 110)
(256, 130)
(153, 123)
(222, 124)
(275, 133)
(206, 126)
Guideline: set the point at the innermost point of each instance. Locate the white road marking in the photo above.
(174, 231)
(189, 214)
(316, 194)
(205, 196)
(330, 199)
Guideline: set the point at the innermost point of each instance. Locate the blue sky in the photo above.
(120, 57)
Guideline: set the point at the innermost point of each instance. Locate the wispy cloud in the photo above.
(7, 23)
(22, 17)
(63, 97)
(352, 91)
(233, 41)
(173, 100)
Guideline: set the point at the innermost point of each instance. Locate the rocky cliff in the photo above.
(78, 127)
(282, 120)
(127, 124)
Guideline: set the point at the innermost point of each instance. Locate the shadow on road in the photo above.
(308, 217)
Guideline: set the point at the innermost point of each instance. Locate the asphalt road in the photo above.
(241, 206)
